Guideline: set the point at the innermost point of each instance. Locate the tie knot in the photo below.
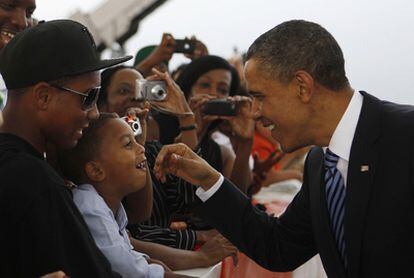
(331, 159)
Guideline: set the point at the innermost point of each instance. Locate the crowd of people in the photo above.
(79, 186)
(115, 170)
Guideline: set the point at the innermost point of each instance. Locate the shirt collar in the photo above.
(341, 140)
(120, 217)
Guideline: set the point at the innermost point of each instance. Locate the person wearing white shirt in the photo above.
(355, 207)
(109, 164)
(110, 234)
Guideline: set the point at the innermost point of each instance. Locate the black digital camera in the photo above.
(220, 107)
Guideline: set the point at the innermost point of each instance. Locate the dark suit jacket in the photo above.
(379, 213)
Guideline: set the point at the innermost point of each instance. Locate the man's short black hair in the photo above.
(300, 45)
(72, 162)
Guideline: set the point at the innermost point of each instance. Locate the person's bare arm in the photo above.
(209, 254)
(162, 53)
(139, 204)
(241, 174)
(228, 157)
(242, 126)
(188, 133)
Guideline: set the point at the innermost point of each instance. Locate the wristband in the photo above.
(188, 127)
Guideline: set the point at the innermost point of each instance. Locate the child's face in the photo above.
(122, 158)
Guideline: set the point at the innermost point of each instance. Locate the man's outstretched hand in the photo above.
(181, 161)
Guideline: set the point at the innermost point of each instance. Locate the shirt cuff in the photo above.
(205, 195)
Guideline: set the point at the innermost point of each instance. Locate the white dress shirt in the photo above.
(3, 93)
(110, 235)
(341, 140)
(340, 143)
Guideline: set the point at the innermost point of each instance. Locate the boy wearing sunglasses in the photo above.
(51, 73)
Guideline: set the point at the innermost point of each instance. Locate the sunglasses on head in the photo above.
(90, 96)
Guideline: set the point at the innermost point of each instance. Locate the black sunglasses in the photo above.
(90, 97)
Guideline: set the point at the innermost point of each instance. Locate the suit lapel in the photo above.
(361, 170)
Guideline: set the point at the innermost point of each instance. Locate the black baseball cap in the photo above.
(49, 51)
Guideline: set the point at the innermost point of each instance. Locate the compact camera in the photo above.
(220, 107)
(150, 90)
(134, 124)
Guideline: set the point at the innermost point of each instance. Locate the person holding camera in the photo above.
(158, 56)
(355, 207)
(118, 94)
(212, 79)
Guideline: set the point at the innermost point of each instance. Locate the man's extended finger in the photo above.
(167, 150)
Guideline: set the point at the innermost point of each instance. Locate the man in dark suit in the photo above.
(356, 205)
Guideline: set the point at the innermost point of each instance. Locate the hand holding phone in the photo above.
(220, 107)
(185, 46)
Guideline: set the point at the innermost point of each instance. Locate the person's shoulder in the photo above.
(88, 200)
(397, 118)
(26, 179)
(18, 168)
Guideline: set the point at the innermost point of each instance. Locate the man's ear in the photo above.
(94, 171)
(304, 85)
(43, 95)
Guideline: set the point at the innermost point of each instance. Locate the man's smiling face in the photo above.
(15, 16)
(277, 106)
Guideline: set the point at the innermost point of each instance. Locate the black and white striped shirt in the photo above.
(169, 198)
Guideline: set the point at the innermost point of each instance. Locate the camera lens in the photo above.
(158, 92)
(135, 126)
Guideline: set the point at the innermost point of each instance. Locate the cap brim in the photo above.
(103, 64)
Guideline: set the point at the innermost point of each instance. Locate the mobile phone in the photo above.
(185, 46)
(220, 107)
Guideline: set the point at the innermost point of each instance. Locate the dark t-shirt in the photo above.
(42, 231)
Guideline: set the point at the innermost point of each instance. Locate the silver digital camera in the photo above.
(134, 124)
(150, 90)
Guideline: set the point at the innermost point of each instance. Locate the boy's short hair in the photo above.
(72, 162)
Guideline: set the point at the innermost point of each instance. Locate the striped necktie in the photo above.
(335, 196)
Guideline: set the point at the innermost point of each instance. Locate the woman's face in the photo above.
(121, 91)
(215, 83)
